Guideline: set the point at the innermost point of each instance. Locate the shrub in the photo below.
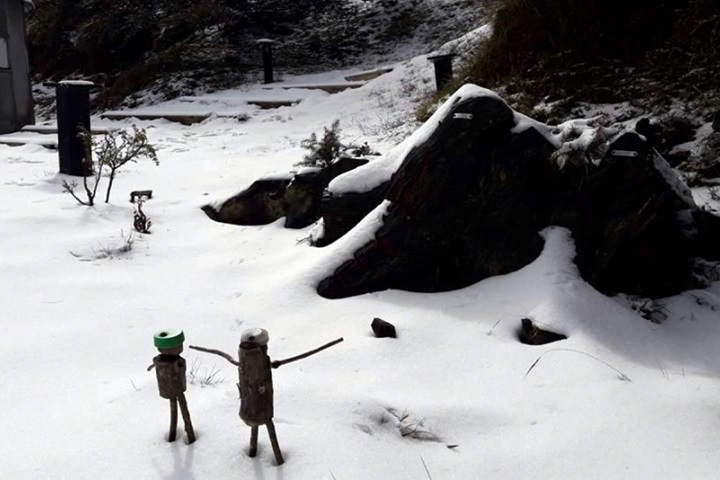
(112, 151)
(325, 151)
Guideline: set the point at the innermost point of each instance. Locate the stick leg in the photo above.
(274, 441)
(253, 441)
(186, 419)
(173, 420)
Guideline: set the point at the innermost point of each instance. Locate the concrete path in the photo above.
(241, 105)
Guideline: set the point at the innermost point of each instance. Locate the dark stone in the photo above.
(260, 204)
(383, 329)
(677, 129)
(341, 213)
(530, 334)
(301, 202)
(716, 122)
(469, 203)
(298, 198)
(709, 240)
(653, 133)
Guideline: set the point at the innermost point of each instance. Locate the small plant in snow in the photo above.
(621, 375)
(363, 150)
(112, 151)
(207, 377)
(409, 426)
(582, 145)
(647, 308)
(141, 222)
(325, 151)
(111, 251)
(113, 248)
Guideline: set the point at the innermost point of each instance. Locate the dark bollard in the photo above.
(73, 112)
(266, 46)
(443, 69)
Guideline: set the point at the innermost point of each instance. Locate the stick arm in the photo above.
(224, 355)
(280, 363)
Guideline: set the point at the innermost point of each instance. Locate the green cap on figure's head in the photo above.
(169, 338)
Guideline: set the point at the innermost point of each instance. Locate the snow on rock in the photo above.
(471, 187)
(380, 170)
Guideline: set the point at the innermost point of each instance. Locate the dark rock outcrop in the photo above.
(341, 213)
(297, 198)
(469, 202)
(531, 334)
(260, 204)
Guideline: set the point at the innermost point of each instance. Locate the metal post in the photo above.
(266, 46)
(73, 113)
(443, 69)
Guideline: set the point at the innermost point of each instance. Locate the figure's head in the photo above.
(257, 337)
(169, 341)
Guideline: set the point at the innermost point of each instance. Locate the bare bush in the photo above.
(112, 151)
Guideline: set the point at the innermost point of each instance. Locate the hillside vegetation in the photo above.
(552, 59)
(173, 47)
(656, 53)
(561, 59)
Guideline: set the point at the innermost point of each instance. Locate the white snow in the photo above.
(81, 83)
(79, 314)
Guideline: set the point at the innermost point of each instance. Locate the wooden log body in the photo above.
(170, 372)
(256, 388)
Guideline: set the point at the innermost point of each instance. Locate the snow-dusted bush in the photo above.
(325, 151)
(112, 151)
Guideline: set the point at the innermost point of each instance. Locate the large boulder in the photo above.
(468, 202)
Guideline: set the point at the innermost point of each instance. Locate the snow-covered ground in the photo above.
(453, 397)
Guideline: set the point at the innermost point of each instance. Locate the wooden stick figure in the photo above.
(255, 383)
(170, 370)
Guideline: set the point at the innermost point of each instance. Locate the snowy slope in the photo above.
(621, 398)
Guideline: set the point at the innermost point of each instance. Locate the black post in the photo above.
(443, 69)
(73, 112)
(266, 46)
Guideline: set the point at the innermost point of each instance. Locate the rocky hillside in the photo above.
(622, 59)
(173, 47)
(552, 59)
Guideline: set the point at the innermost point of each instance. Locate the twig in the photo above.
(279, 363)
(495, 325)
(133, 385)
(622, 375)
(662, 370)
(224, 355)
(489, 332)
(426, 468)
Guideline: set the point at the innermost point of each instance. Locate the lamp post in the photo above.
(443, 69)
(266, 46)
